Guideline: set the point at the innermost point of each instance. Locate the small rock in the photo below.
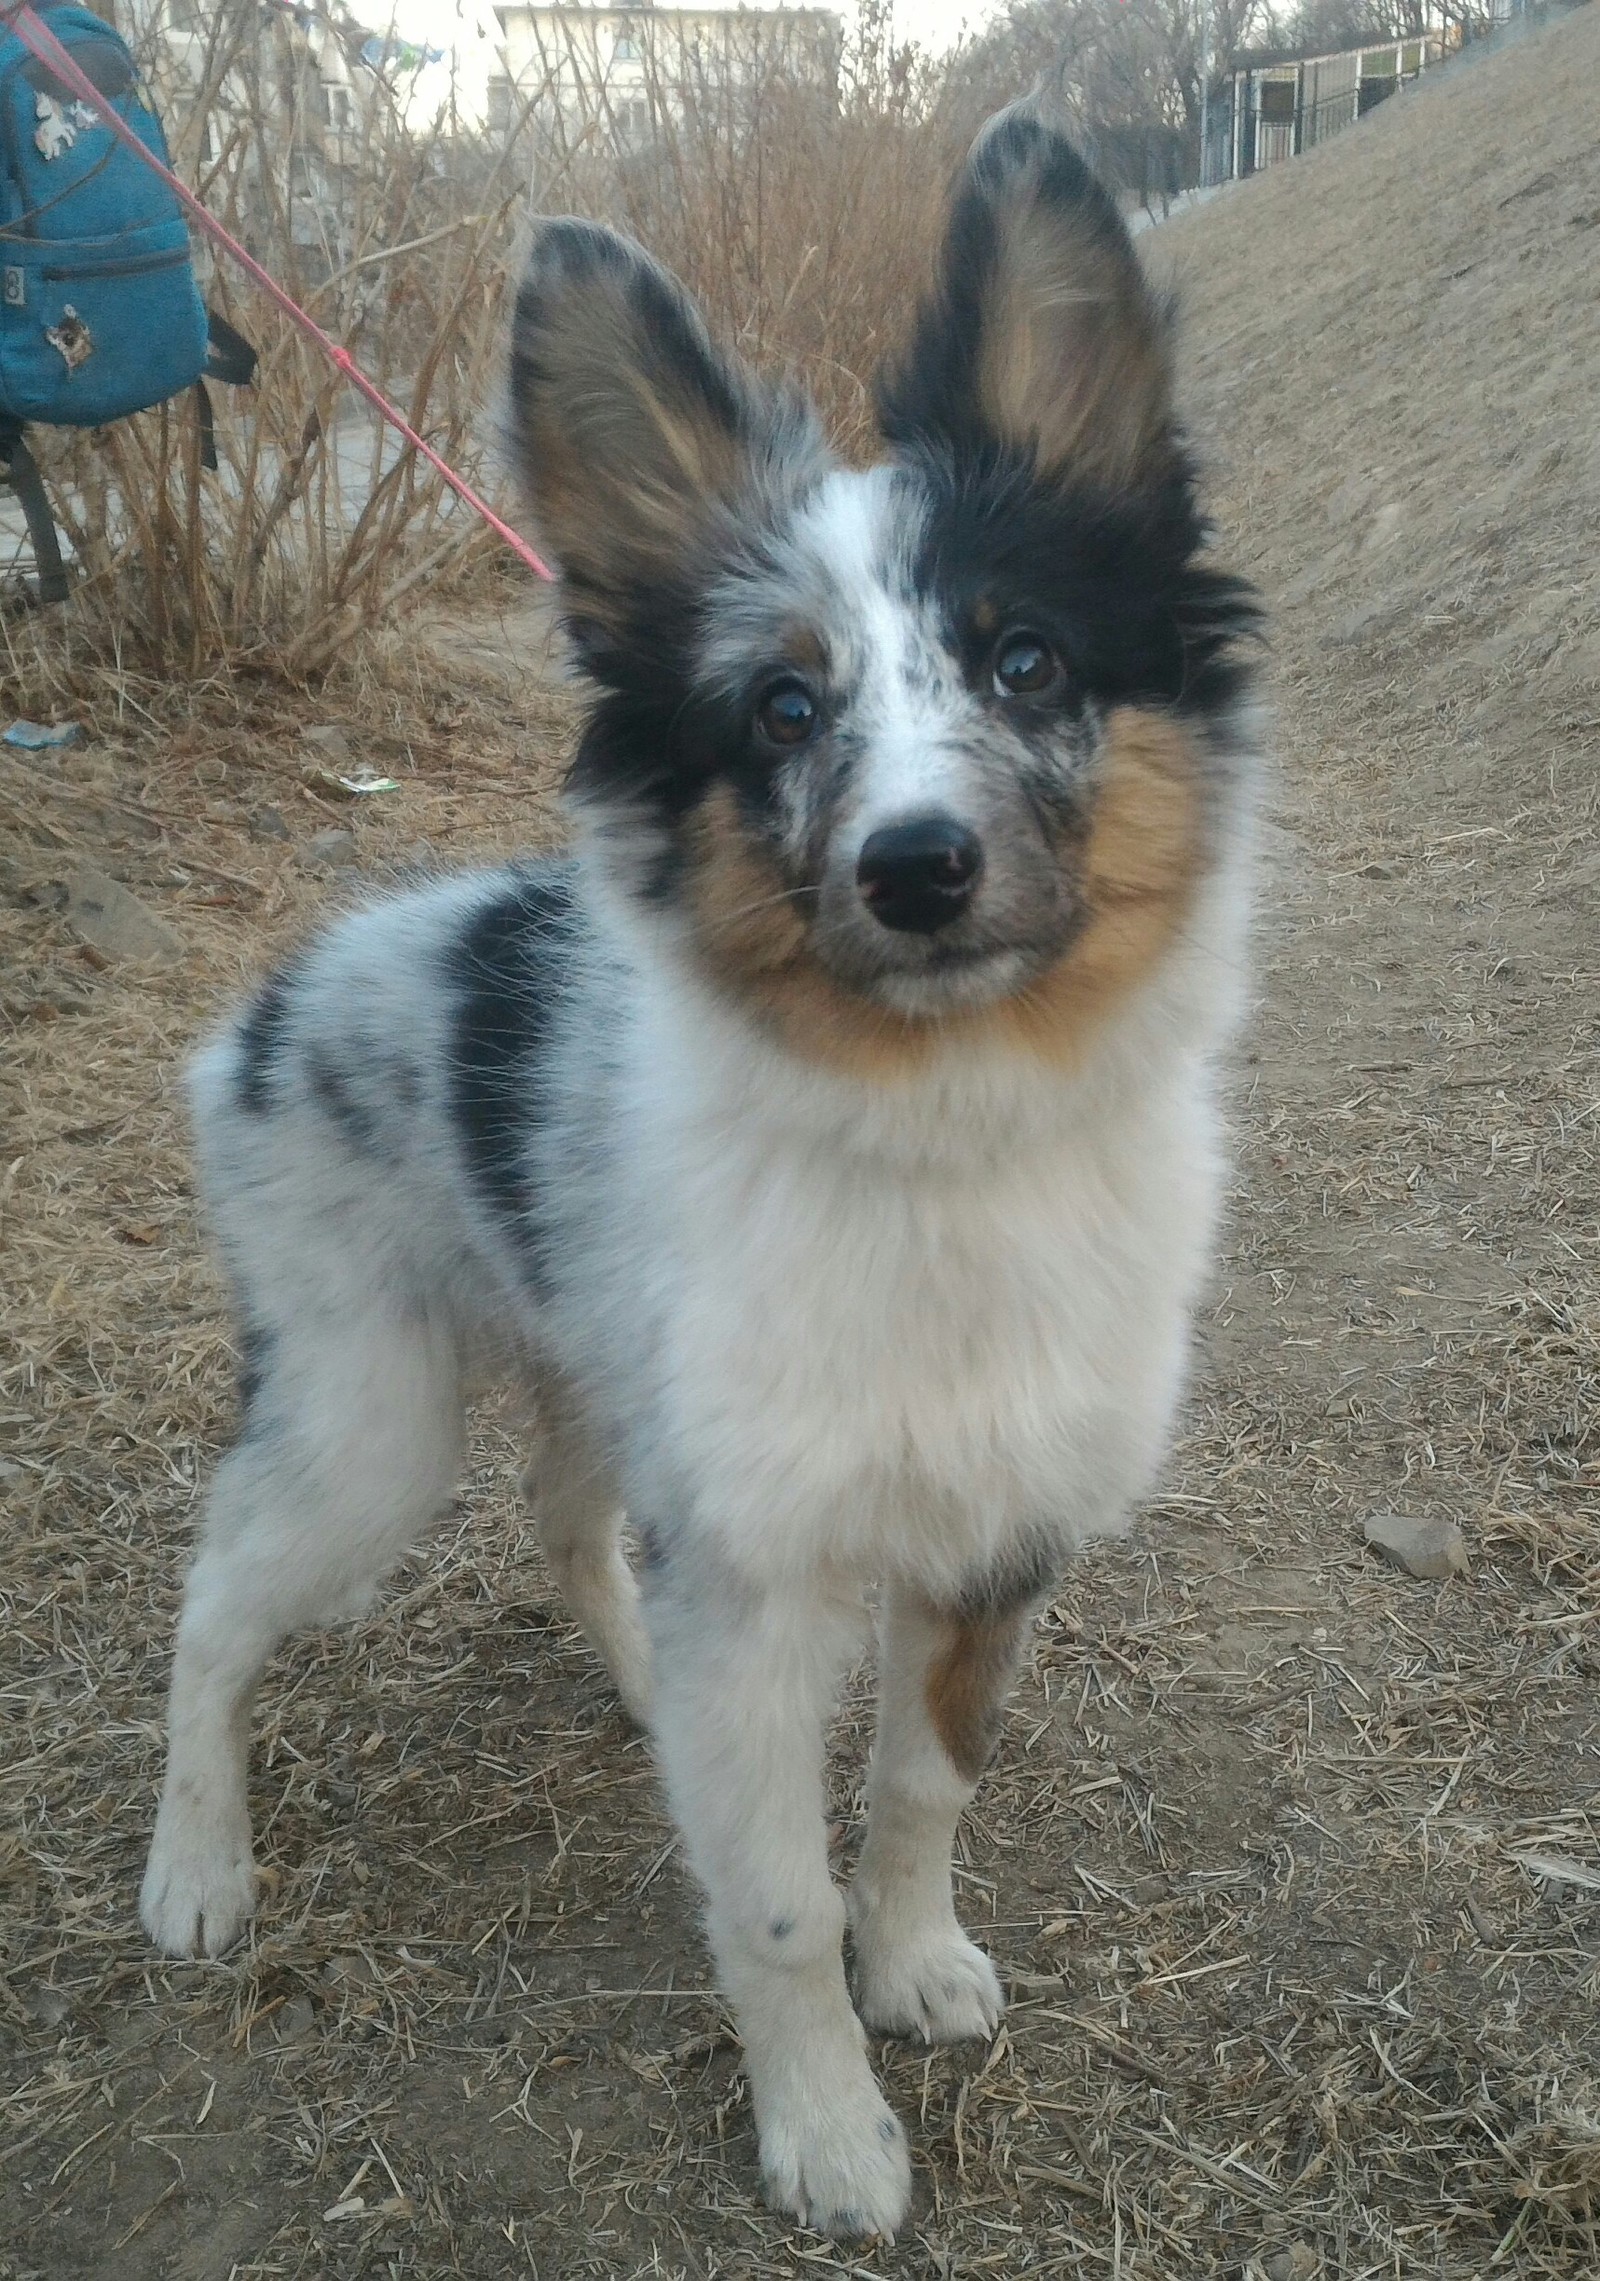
(350, 1971)
(1145, 1892)
(49, 2006)
(1484, 1925)
(331, 850)
(1299, 2262)
(295, 2019)
(329, 745)
(114, 922)
(268, 824)
(1430, 1549)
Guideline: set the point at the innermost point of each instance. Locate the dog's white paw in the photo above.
(199, 1890)
(935, 1984)
(840, 2167)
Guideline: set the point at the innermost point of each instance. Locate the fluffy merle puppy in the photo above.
(827, 1143)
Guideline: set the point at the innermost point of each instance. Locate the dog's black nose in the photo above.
(919, 876)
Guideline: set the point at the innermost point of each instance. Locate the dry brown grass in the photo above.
(801, 215)
(1291, 1863)
(317, 523)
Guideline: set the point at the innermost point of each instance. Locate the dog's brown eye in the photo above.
(787, 715)
(1024, 666)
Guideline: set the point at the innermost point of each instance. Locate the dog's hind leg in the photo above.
(351, 1446)
(943, 1680)
(573, 1493)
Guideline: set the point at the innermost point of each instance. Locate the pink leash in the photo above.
(36, 34)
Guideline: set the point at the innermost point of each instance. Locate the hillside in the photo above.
(1292, 1862)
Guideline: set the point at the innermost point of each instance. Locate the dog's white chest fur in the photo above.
(895, 1325)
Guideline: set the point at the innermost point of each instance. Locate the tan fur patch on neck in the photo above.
(1135, 872)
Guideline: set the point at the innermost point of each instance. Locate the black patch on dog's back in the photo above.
(255, 1344)
(338, 1103)
(506, 970)
(262, 1036)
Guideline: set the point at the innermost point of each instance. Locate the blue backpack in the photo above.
(100, 314)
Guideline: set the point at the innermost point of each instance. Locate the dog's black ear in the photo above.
(633, 432)
(1041, 333)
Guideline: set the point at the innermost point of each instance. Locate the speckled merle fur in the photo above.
(825, 1147)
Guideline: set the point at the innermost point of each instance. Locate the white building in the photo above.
(277, 79)
(570, 65)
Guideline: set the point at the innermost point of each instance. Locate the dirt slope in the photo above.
(1294, 1863)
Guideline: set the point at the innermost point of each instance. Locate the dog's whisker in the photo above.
(721, 921)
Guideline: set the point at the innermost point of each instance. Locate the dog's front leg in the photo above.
(745, 1678)
(943, 1678)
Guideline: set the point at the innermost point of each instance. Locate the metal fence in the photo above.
(1244, 140)
(1267, 111)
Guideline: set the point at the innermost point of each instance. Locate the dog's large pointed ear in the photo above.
(1041, 333)
(633, 432)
